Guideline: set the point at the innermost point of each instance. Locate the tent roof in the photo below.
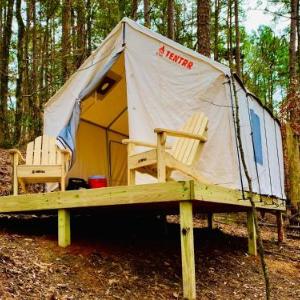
(144, 30)
(222, 68)
(219, 66)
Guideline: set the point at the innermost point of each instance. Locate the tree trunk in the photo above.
(134, 9)
(216, 30)
(292, 46)
(20, 59)
(80, 34)
(203, 27)
(237, 39)
(171, 32)
(4, 69)
(298, 37)
(147, 13)
(36, 116)
(229, 33)
(66, 39)
(89, 27)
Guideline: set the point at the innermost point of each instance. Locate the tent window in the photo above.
(255, 126)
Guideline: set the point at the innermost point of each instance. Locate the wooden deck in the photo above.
(185, 198)
(205, 197)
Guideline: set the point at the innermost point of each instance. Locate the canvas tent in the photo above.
(138, 80)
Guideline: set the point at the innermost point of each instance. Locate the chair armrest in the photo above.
(17, 152)
(181, 134)
(66, 152)
(138, 143)
(141, 143)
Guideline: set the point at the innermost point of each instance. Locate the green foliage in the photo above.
(266, 65)
(264, 56)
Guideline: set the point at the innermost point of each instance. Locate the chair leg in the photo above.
(161, 162)
(15, 160)
(23, 186)
(131, 177)
(63, 183)
(15, 186)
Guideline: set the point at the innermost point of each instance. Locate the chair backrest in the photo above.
(43, 151)
(185, 150)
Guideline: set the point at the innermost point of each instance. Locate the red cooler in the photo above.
(97, 181)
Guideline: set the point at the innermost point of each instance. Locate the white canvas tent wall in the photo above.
(160, 84)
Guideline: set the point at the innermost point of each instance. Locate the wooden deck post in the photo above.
(64, 229)
(187, 250)
(252, 245)
(210, 221)
(280, 227)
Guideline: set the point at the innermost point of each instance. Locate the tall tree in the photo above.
(237, 39)
(7, 18)
(293, 41)
(216, 29)
(89, 27)
(298, 37)
(66, 38)
(229, 33)
(36, 128)
(20, 59)
(171, 32)
(147, 13)
(134, 9)
(203, 27)
(80, 32)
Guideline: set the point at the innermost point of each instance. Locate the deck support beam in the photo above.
(252, 243)
(187, 250)
(64, 228)
(280, 227)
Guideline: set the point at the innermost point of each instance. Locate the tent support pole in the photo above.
(252, 245)
(104, 128)
(116, 118)
(187, 250)
(108, 157)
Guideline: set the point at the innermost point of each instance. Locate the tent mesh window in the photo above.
(256, 132)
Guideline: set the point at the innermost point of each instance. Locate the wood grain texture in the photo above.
(187, 250)
(64, 228)
(223, 195)
(119, 195)
(252, 238)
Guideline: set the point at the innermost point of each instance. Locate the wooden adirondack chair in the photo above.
(160, 162)
(44, 162)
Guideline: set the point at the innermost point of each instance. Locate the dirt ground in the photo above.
(137, 259)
